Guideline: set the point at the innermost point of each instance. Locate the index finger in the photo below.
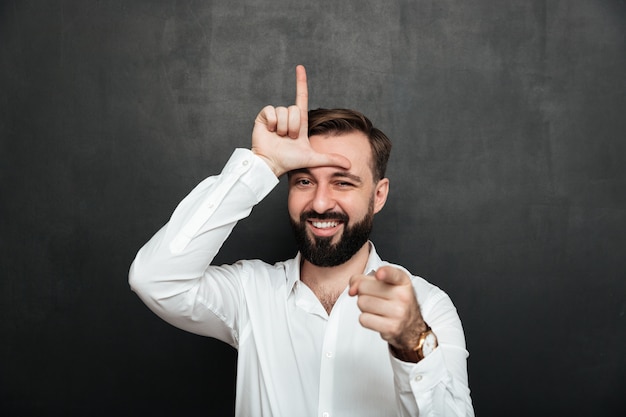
(354, 283)
(391, 275)
(302, 94)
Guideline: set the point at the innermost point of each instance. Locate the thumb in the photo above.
(392, 275)
(329, 160)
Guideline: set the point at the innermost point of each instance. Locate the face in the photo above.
(332, 209)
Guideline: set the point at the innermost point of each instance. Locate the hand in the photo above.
(389, 306)
(280, 135)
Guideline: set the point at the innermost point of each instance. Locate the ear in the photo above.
(380, 194)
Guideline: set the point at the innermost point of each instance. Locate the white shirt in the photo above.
(294, 359)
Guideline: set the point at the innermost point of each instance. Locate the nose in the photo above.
(323, 199)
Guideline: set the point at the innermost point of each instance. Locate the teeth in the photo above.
(324, 225)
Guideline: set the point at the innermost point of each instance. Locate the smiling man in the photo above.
(335, 331)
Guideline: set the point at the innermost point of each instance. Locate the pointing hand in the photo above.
(389, 306)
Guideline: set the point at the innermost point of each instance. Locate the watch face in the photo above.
(430, 343)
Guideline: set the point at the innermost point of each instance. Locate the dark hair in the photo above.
(337, 121)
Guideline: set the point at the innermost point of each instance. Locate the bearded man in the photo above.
(336, 331)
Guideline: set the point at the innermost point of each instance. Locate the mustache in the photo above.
(324, 216)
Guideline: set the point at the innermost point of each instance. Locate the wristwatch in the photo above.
(426, 343)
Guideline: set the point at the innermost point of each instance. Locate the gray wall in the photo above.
(508, 183)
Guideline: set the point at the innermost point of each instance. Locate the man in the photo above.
(335, 331)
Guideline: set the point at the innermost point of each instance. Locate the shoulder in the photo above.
(255, 273)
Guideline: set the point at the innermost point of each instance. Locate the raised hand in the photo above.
(280, 135)
(389, 306)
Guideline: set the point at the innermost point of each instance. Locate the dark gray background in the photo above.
(508, 183)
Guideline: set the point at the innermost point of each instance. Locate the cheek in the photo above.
(359, 209)
(294, 205)
(358, 202)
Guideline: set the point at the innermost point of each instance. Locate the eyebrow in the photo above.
(337, 174)
(345, 174)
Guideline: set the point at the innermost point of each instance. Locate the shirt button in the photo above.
(418, 378)
(329, 354)
(245, 162)
(325, 414)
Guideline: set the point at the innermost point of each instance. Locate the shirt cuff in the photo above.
(257, 174)
(421, 376)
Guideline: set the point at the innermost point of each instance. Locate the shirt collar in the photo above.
(293, 267)
(293, 273)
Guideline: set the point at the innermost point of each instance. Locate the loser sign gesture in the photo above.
(280, 135)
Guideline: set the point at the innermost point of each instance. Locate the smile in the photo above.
(324, 228)
(324, 225)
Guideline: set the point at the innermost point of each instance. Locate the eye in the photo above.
(344, 184)
(302, 182)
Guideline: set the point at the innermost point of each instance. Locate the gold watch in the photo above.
(426, 343)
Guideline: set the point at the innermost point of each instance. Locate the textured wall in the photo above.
(508, 183)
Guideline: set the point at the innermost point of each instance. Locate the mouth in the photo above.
(324, 228)
(324, 225)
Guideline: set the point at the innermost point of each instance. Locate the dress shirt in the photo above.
(294, 359)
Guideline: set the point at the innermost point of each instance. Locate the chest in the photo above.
(324, 361)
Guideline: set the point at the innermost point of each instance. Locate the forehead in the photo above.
(352, 145)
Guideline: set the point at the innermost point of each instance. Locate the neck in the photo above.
(327, 283)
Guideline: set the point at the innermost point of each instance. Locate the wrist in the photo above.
(426, 343)
(269, 163)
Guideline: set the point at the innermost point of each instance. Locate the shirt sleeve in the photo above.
(171, 272)
(438, 384)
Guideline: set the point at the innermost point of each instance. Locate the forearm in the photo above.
(172, 264)
(437, 384)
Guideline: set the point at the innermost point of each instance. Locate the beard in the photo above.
(320, 251)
